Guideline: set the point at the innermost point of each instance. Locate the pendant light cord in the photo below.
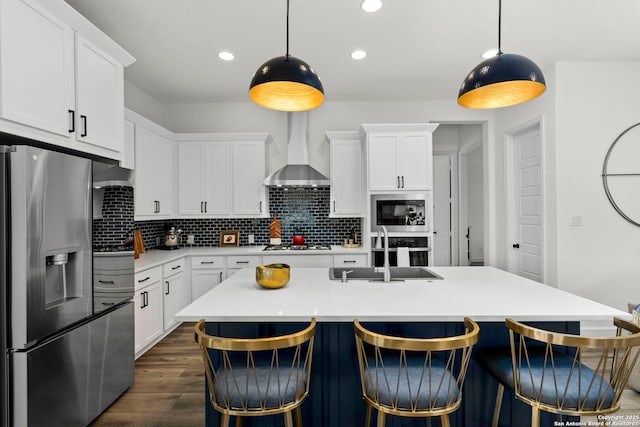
(499, 26)
(287, 29)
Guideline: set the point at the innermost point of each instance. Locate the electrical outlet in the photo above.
(251, 238)
(157, 241)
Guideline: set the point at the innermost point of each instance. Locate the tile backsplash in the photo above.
(112, 225)
(306, 209)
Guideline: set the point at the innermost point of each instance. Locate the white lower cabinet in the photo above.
(176, 296)
(356, 260)
(300, 260)
(148, 311)
(237, 263)
(206, 272)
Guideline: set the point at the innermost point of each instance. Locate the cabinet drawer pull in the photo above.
(108, 303)
(201, 207)
(398, 184)
(144, 280)
(176, 267)
(73, 121)
(221, 276)
(242, 262)
(402, 181)
(207, 262)
(349, 261)
(84, 125)
(205, 207)
(107, 282)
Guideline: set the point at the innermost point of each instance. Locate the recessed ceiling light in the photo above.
(226, 56)
(490, 53)
(371, 5)
(358, 54)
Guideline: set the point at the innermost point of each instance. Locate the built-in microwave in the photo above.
(405, 212)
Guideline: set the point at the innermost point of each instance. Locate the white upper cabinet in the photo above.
(204, 181)
(399, 156)
(154, 182)
(249, 192)
(36, 67)
(57, 86)
(347, 174)
(99, 97)
(222, 175)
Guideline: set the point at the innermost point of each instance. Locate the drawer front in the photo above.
(203, 262)
(243, 261)
(173, 267)
(359, 260)
(300, 260)
(147, 277)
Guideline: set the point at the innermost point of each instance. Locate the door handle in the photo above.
(84, 125)
(516, 245)
(73, 121)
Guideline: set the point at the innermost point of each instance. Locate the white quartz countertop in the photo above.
(156, 257)
(482, 293)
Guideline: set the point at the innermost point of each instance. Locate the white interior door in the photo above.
(525, 245)
(442, 212)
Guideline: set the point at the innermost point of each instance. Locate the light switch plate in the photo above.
(576, 220)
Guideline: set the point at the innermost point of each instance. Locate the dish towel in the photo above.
(403, 257)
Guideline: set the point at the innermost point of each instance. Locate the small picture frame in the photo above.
(230, 238)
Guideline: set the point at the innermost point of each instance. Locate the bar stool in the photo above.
(257, 377)
(413, 377)
(549, 371)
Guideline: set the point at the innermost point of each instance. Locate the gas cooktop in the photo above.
(318, 247)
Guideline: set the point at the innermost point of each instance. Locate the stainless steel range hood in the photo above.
(297, 172)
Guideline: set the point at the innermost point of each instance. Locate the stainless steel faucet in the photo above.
(386, 275)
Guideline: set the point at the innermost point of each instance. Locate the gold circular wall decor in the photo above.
(621, 174)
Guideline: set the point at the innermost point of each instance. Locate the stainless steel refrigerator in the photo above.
(63, 360)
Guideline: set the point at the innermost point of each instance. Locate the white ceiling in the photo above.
(417, 49)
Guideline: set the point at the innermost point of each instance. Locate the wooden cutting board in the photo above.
(138, 243)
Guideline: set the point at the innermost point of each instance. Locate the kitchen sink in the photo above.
(375, 273)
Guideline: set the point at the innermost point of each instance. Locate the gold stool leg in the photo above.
(224, 422)
(535, 417)
(298, 412)
(239, 421)
(368, 422)
(496, 409)
(381, 419)
(288, 420)
(444, 420)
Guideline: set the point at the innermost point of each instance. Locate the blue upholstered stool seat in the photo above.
(259, 387)
(411, 384)
(583, 390)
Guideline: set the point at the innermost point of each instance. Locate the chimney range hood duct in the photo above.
(297, 172)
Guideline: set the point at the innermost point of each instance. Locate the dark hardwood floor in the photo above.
(168, 389)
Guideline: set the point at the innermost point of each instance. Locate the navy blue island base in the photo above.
(335, 396)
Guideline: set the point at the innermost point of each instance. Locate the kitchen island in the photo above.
(238, 306)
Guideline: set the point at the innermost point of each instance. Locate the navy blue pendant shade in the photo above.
(503, 80)
(286, 83)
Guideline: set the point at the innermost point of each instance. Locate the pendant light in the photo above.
(503, 80)
(286, 83)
